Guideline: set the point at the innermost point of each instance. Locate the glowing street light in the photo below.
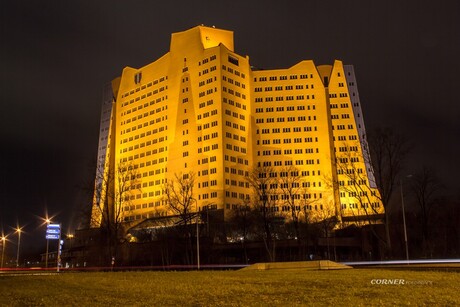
(70, 238)
(3, 238)
(48, 221)
(18, 231)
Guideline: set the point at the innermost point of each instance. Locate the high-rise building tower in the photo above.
(202, 111)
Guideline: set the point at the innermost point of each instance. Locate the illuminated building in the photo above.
(202, 109)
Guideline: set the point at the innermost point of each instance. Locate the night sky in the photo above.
(55, 57)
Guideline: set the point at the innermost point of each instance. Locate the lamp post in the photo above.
(18, 230)
(70, 238)
(48, 221)
(3, 247)
(197, 240)
(404, 217)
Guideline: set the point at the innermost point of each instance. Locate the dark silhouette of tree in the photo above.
(113, 195)
(294, 198)
(427, 190)
(241, 222)
(264, 185)
(180, 200)
(385, 153)
(327, 220)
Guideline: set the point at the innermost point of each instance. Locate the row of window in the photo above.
(279, 196)
(288, 129)
(342, 105)
(283, 208)
(235, 148)
(207, 92)
(234, 71)
(155, 82)
(207, 70)
(206, 149)
(342, 95)
(240, 196)
(287, 119)
(145, 124)
(204, 104)
(345, 160)
(350, 172)
(241, 184)
(235, 114)
(287, 88)
(235, 125)
(235, 137)
(206, 172)
(146, 114)
(141, 145)
(141, 135)
(211, 58)
(355, 182)
(207, 195)
(288, 98)
(362, 206)
(233, 103)
(148, 153)
(235, 82)
(207, 114)
(346, 149)
(236, 160)
(338, 116)
(206, 184)
(233, 92)
(304, 173)
(139, 98)
(207, 81)
(342, 127)
(283, 77)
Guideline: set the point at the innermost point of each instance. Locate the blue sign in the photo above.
(53, 231)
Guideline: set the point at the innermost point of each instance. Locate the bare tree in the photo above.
(385, 154)
(241, 224)
(427, 189)
(113, 195)
(325, 217)
(289, 184)
(180, 200)
(294, 197)
(264, 185)
(306, 219)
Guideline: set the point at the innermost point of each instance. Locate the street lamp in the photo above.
(18, 230)
(3, 238)
(48, 221)
(404, 217)
(197, 239)
(70, 238)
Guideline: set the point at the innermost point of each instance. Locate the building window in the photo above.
(233, 60)
(138, 77)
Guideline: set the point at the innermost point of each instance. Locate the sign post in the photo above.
(53, 232)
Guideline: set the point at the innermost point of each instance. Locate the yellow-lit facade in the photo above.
(202, 109)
